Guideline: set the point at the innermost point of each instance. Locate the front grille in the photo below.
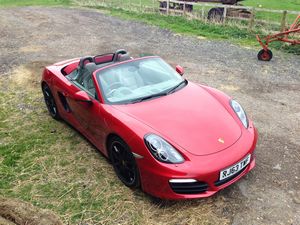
(189, 188)
(220, 182)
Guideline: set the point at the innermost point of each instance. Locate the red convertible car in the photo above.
(173, 138)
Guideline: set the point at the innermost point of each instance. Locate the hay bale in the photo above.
(4, 221)
(14, 211)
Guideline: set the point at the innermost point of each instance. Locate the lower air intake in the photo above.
(196, 187)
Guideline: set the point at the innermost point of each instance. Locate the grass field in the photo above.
(293, 5)
(231, 31)
(269, 4)
(33, 2)
(45, 163)
(274, 4)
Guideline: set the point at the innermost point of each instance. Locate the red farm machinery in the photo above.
(215, 14)
(291, 35)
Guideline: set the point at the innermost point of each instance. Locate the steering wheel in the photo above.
(113, 86)
(120, 51)
(83, 59)
(120, 90)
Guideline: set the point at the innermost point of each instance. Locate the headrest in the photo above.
(123, 57)
(91, 67)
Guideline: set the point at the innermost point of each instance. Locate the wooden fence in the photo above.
(278, 19)
(283, 14)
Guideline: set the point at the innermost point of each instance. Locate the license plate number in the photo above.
(230, 171)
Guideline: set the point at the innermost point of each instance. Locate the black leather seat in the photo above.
(88, 83)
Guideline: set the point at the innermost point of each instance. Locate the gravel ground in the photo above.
(270, 91)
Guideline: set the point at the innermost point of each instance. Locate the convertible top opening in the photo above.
(96, 62)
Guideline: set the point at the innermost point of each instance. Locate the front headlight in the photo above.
(240, 112)
(162, 150)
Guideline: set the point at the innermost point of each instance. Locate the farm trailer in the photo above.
(215, 14)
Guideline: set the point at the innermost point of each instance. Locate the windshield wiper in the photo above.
(148, 97)
(173, 89)
(159, 94)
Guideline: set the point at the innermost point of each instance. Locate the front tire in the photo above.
(50, 102)
(124, 163)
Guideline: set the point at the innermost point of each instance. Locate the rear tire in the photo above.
(124, 162)
(164, 6)
(264, 55)
(50, 102)
(216, 14)
(229, 2)
(189, 8)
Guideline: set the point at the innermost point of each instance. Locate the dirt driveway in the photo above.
(270, 92)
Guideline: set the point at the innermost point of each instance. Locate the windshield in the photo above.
(138, 80)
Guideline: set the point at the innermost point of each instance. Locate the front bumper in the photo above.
(205, 170)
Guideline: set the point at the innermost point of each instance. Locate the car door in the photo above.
(89, 115)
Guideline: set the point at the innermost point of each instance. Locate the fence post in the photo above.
(184, 9)
(224, 14)
(168, 6)
(283, 21)
(153, 5)
(252, 17)
(202, 12)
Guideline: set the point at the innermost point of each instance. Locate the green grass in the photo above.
(268, 4)
(184, 26)
(49, 164)
(293, 5)
(231, 32)
(6, 3)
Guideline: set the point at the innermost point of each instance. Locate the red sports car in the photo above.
(173, 138)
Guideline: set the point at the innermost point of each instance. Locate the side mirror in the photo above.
(82, 96)
(180, 70)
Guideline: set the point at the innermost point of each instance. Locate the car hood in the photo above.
(191, 118)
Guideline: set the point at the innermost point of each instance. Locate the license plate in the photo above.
(230, 171)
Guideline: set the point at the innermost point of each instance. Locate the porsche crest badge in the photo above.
(221, 140)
